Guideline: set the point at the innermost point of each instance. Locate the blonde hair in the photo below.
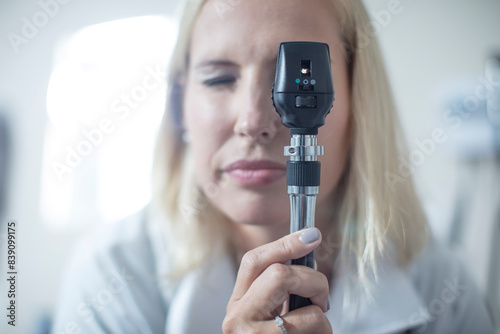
(372, 213)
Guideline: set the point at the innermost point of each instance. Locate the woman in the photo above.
(211, 254)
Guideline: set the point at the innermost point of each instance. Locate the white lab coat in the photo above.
(117, 284)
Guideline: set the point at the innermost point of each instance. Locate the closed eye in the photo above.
(219, 81)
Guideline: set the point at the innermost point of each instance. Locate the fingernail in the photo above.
(309, 236)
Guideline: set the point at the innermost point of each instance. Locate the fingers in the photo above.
(305, 320)
(290, 247)
(265, 281)
(273, 287)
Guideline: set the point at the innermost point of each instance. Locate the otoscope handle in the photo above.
(298, 301)
(302, 208)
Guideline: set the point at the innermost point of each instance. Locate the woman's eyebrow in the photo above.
(215, 62)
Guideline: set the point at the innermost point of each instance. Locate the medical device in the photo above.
(303, 95)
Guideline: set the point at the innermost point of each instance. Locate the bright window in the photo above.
(105, 99)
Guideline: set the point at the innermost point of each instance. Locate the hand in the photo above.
(266, 280)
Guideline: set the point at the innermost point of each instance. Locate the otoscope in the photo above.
(303, 95)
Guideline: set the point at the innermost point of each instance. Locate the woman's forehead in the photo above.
(255, 28)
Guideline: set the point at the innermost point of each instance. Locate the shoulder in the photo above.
(123, 246)
(452, 303)
(127, 242)
(434, 263)
(111, 284)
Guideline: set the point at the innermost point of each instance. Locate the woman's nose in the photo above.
(257, 119)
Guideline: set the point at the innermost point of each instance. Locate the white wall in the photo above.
(426, 43)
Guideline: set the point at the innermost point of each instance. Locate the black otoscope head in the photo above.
(303, 89)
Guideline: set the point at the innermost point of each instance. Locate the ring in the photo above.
(279, 322)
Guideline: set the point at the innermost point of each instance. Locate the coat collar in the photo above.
(391, 306)
(199, 304)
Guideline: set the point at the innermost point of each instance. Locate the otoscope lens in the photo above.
(305, 67)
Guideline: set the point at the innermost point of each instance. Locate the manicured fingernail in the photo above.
(309, 236)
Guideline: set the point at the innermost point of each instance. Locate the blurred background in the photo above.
(81, 97)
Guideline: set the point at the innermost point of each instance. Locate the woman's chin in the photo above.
(258, 215)
(264, 206)
(258, 221)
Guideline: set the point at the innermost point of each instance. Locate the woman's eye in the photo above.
(219, 81)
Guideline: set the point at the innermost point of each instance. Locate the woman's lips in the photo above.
(255, 172)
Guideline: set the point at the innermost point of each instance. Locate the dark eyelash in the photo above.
(219, 81)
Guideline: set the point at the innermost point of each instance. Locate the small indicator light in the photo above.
(297, 81)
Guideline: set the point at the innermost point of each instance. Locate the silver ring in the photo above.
(279, 322)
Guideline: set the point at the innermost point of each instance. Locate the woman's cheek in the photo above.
(206, 111)
(207, 128)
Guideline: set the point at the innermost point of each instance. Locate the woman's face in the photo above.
(236, 135)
